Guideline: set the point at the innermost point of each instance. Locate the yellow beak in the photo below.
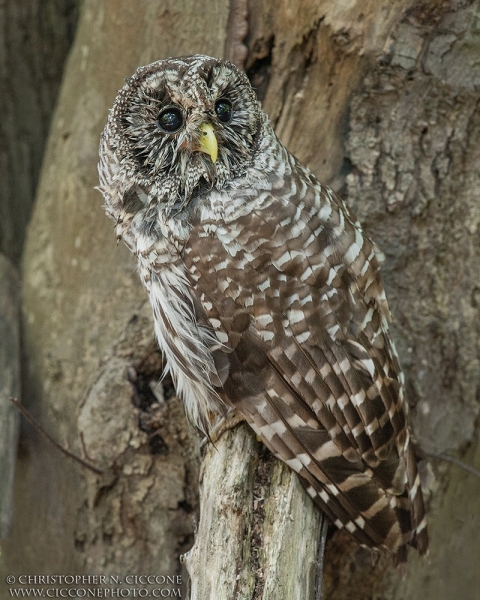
(208, 141)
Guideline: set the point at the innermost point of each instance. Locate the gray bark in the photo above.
(258, 531)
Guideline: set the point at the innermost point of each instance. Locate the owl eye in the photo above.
(223, 108)
(170, 120)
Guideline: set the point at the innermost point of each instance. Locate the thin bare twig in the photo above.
(26, 413)
(455, 461)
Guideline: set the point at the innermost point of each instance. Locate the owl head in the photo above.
(179, 127)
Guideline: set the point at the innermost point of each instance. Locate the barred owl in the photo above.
(266, 294)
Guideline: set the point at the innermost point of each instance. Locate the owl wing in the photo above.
(311, 363)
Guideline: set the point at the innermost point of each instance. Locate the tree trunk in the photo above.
(380, 99)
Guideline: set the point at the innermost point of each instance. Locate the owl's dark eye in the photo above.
(170, 120)
(224, 111)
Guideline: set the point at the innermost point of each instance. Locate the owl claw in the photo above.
(233, 419)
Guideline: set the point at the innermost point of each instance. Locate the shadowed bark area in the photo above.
(35, 36)
(9, 387)
(380, 99)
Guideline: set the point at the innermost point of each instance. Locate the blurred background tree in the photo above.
(381, 99)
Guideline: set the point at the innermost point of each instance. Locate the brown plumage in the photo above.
(266, 294)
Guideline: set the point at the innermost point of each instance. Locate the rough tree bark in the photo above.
(380, 98)
(259, 531)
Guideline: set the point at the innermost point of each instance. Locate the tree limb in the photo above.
(258, 532)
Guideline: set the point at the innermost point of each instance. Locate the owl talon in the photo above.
(233, 419)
